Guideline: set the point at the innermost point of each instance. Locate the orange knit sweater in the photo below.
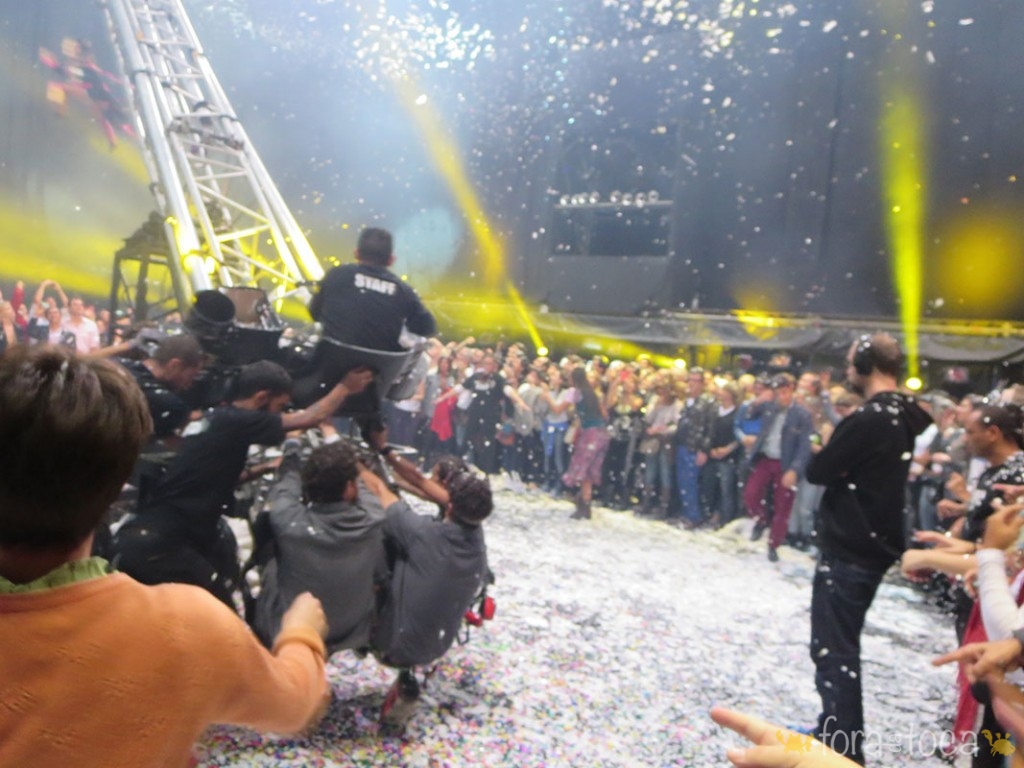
(108, 672)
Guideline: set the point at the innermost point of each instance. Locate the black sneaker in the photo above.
(773, 556)
(758, 532)
(400, 703)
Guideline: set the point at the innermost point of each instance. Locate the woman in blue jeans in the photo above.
(559, 400)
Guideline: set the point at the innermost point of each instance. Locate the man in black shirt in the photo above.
(365, 304)
(864, 469)
(179, 535)
(173, 367)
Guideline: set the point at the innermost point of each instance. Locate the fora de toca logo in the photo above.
(1001, 745)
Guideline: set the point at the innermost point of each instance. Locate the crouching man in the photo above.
(436, 569)
(96, 668)
(328, 540)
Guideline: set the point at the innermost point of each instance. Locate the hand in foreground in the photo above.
(1010, 492)
(775, 747)
(305, 611)
(357, 380)
(1008, 704)
(944, 542)
(1002, 527)
(980, 660)
(913, 565)
(947, 508)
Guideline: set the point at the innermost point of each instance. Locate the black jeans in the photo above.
(840, 600)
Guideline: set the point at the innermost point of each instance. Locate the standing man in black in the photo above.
(366, 305)
(860, 528)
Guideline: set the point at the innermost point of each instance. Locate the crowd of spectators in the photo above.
(686, 445)
(51, 317)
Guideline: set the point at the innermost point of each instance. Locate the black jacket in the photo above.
(366, 306)
(864, 470)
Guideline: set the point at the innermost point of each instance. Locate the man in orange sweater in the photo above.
(97, 669)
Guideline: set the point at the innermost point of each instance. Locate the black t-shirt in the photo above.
(366, 306)
(200, 483)
(982, 502)
(169, 412)
(485, 409)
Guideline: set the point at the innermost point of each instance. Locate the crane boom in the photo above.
(227, 224)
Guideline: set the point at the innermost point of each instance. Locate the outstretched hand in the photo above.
(980, 660)
(775, 747)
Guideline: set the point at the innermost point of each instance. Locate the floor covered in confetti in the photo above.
(612, 640)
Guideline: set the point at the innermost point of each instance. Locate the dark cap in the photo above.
(783, 380)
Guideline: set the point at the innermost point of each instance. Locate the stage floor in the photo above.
(612, 640)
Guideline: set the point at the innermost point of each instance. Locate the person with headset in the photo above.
(860, 528)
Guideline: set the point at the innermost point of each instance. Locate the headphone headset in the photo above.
(863, 360)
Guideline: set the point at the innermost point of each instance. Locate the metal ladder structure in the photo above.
(225, 220)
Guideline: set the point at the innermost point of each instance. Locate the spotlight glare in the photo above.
(914, 384)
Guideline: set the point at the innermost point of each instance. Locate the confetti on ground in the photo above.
(612, 640)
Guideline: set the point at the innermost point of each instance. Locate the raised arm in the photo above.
(377, 487)
(422, 485)
(353, 383)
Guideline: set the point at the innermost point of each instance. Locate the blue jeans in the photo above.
(658, 472)
(688, 477)
(553, 438)
(840, 599)
(718, 482)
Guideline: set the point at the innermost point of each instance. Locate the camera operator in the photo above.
(179, 535)
(171, 369)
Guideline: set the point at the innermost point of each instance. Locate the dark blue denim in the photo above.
(840, 600)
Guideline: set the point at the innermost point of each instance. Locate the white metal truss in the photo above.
(226, 222)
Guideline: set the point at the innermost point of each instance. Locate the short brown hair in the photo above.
(182, 346)
(328, 471)
(471, 498)
(74, 427)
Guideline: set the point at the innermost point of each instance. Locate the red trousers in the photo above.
(768, 472)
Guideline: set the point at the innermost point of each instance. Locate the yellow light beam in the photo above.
(445, 155)
(903, 153)
(903, 173)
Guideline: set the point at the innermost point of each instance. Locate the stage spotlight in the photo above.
(563, 200)
(615, 197)
(543, 351)
(914, 384)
